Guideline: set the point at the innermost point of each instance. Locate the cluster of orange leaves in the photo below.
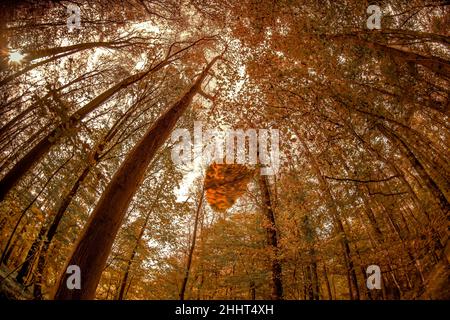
(225, 183)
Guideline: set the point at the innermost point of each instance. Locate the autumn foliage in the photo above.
(88, 178)
(225, 183)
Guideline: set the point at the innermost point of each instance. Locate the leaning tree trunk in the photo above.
(50, 234)
(94, 245)
(24, 211)
(436, 247)
(95, 157)
(435, 64)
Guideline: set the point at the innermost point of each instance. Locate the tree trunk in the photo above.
(24, 211)
(191, 249)
(437, 245)
(252, 290)
(272, 239)
(94, 159)
(52, 231)
(310, 239)
(327, 282)
(436, 64)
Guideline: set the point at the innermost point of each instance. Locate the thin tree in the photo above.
(191, 249)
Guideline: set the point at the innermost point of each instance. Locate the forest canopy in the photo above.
(347, 103)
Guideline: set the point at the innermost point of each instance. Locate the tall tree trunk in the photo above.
(436, 64)
(395, 170)
(327, 282)
(7, 253)
(94, 245)
(272, 239)
(309, 283)
(252, 290)
(124, 280)
(50, 234)
(94, 158)
(436, 247)
(310, 239)
(315, 276)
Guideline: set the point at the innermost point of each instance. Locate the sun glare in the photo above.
(15, 57)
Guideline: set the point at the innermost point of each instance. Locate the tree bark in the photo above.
(272, 239)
